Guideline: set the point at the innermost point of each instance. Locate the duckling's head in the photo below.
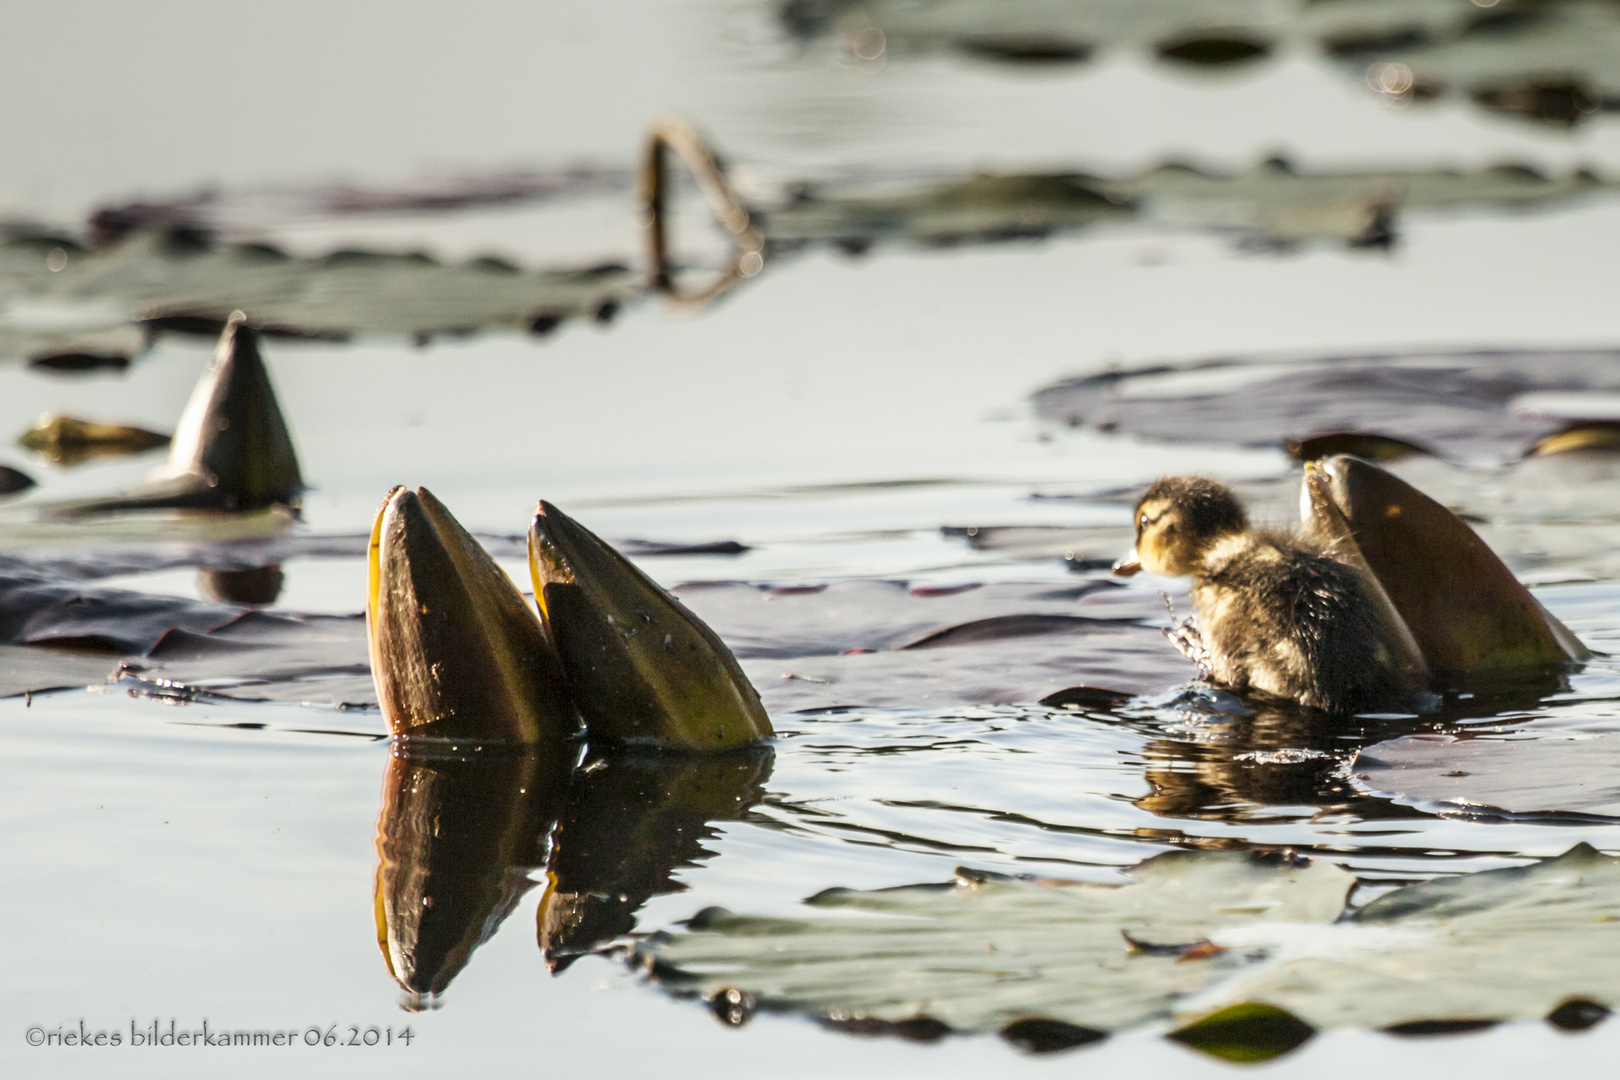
(1177, 520)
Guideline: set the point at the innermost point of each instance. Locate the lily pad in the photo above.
(1461, 405)
(27, 669)
(1555, 773)
(186, 280)
(1512, 944)
(985, 952)
(1272, 204)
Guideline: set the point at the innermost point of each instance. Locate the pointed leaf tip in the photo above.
(642, 668)
(455, 650)
(232, 441)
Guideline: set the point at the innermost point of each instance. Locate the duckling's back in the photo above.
(1279, 615)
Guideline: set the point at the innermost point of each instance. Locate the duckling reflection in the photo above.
(464, 828)
(1267, 758)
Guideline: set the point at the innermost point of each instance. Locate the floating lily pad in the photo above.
(985, 952)
(26, 669)
(1272, 204)
(187, 281)
(1459, 404)
(979, 954)
(1555, 773)
(1513, 944)
(1552, 61)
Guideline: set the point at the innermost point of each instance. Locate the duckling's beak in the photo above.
(232, 439)
(641, 667)
(1466, 610)
(1128, 566)
(455, 651)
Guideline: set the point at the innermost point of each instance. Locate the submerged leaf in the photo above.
(1461, 405)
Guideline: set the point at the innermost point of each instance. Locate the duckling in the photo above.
(1278, 614)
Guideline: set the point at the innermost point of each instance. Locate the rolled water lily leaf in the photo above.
(982, 954)
(641, 667)
(1466, 610)
(232, 435)
(1326, 523)
(231, 451)
(455, 650)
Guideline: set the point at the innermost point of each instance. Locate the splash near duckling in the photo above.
(1382, 594)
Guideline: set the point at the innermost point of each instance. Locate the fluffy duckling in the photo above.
(1276, 613)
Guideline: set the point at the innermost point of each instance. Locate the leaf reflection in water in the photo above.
(466, 829)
